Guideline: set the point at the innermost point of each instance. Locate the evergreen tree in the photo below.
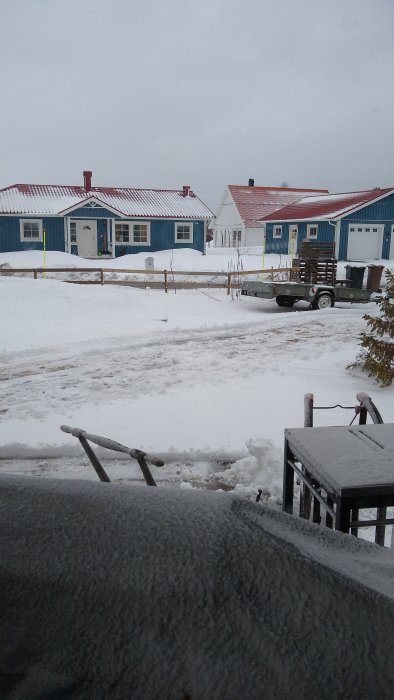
(377, 358)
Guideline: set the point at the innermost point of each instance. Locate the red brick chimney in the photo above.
(87, 180)
(186, 190)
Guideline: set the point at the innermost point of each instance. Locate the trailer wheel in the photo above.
(283, 300)
(323, 301)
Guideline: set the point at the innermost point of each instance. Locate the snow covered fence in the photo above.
(143, 278)
(119, 592)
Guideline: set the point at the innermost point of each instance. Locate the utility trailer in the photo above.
(319, 296)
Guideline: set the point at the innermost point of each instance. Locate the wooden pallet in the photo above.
(310, 249)
(315, 264)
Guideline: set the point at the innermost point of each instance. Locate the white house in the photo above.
(238, 221)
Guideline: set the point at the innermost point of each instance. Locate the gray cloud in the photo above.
(161, 94)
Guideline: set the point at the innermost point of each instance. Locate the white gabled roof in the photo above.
(53, 200)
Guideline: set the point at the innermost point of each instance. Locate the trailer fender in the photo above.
(283, 300)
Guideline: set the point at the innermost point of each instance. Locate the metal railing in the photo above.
(141, 457)
(363, 409)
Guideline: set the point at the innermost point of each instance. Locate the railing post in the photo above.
(228, 282)
(165, 281)
(305, 496)
(35, 274)
(101, 276)
(308, 411)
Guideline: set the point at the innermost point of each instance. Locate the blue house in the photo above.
(361, 224)
(101, 221)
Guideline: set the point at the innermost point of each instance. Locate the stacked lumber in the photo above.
(315, 263)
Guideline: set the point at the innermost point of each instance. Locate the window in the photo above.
(122, 233)
(73, 232)
(132, 234)
(183, 233)
(140, 233)
(237, 236)
(311, 231)
(277, 232)
(31, 230)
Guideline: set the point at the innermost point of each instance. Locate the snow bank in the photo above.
(112, 592)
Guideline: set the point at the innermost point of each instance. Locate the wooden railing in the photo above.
(230, 279)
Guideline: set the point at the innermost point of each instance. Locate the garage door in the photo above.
(364, 242)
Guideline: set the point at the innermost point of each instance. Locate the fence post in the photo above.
(165, 282)
(101, 276)
(228, 282)
(35, 274)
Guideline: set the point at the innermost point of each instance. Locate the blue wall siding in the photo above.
(10, 234)
(162, 233)
(325, 234)
(91, 213)
(162, 237)
(381, 212)
(276, 245)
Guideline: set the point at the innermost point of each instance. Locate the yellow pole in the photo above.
(262, 260)
(45, 252)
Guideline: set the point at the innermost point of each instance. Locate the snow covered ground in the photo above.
(205, 380)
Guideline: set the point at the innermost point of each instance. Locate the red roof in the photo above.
(329, 206)
(256, 203)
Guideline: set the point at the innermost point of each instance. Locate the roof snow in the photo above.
(326, 206)
(53, 200)
(255, 203)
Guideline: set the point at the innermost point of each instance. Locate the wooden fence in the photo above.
(230, 279)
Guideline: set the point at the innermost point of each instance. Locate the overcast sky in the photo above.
(162, 93)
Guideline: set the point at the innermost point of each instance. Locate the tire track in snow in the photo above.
(155, 365)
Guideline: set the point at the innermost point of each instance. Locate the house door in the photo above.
(293, 239)
(87, 238)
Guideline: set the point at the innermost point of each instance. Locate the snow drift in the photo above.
(113, 592)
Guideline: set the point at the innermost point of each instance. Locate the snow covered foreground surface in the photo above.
(133, 592)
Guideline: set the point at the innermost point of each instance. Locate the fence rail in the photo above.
(231, 279)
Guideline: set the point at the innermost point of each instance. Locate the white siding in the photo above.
(226, 222)
(254, 236)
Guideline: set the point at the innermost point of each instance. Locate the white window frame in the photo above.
(141, 223)
(130, 225)
(308, 231)
(183, 240)
(277, 231)
(74, 224)
(22, 223)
